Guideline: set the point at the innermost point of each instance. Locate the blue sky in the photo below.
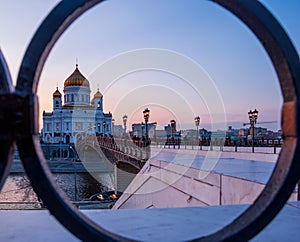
(207, 34)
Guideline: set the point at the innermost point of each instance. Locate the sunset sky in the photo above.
(185, 34)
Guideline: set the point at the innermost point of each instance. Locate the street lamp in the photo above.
(98, 128)
(197, 122)
(74, 167)
(142, 126)
(61, 135)
(113, 126)
(253, 115)
(124, 122)
(132, 128)
(146, 113)
(173, 122)
(155, 125)
(104, 127)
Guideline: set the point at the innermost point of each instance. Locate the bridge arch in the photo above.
(127, 167)
(124, 173)
(94, 159)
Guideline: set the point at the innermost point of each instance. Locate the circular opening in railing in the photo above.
(160, 99)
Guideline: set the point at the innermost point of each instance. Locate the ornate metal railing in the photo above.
(117, 149)
(18, 117)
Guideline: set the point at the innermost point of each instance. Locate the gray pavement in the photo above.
(176, 224)
(253, 170)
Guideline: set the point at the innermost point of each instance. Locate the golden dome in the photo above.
(76, 79)
(98, 94)
(57, 93)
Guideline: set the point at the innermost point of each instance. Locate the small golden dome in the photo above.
(98, 94)
(57, 93)
(76, 79)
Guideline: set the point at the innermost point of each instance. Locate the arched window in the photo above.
(48, 138)
(57, 104)
(67, 139)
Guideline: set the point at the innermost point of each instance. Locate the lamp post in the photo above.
(197, 122)
(142, 126)
(113, 126)
(104, 127)
(173, 122)
(98, 128)
(74, 166)
(146, 113)
(61, 135)
(253, 115)
(155, 125)
(124, 122)
(132, 128)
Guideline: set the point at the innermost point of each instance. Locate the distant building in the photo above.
(232, 134)
(204, 134)
(139, 129)
(76, 116)
(172, 131)
(218, 135)
(243, 132)
(118, 130)
(192, 133)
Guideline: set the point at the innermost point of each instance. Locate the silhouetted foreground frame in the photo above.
(19, 122)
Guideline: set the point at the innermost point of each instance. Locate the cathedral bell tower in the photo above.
(98, 100)
(57, 104)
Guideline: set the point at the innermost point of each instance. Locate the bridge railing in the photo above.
(260, 146)
(132, 149)
(137, 150)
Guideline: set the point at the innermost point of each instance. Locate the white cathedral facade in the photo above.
(76, 116)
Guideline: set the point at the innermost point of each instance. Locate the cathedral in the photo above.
(76, 116)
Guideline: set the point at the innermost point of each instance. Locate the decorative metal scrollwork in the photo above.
(20, 121)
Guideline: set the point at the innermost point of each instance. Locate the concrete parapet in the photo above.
(163, 184)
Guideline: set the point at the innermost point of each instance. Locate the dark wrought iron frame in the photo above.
(18, 118)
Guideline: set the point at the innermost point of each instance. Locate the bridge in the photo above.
(116, 150)
(120, 158)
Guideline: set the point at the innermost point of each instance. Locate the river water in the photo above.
(77, 187)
